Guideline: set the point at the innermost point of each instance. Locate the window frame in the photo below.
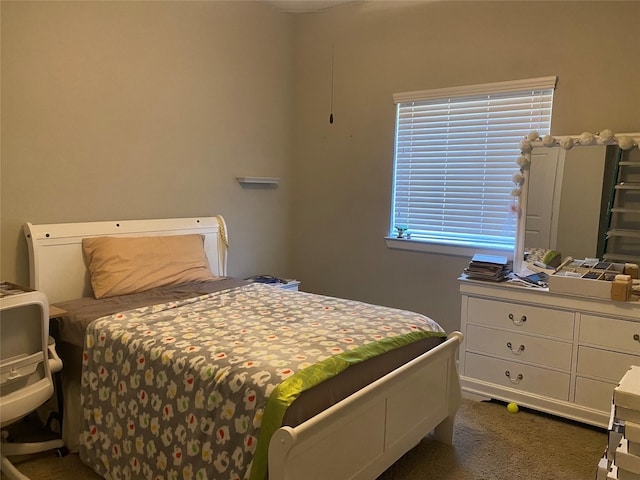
(431, 246)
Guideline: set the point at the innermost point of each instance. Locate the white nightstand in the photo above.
(290, 285)
(270, 280)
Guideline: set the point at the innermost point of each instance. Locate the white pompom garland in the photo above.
(605, 137)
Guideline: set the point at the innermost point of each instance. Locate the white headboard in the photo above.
(56, 261)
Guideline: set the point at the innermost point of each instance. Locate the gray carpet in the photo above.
(490, 444)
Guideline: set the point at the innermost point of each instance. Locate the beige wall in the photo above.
(126, 110)
(343, 171)
(137, 110)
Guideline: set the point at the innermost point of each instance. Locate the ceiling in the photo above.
(305, 6)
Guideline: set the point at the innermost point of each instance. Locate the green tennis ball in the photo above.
(512, 408)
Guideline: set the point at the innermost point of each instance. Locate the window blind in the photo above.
(455, 160)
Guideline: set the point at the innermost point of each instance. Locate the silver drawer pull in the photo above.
(636, 337)
(520, 321)
(513, 380)
(515, 352)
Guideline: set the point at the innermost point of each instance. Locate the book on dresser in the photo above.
(488, 267)
(8, 289)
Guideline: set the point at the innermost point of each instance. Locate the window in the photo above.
(455, 157)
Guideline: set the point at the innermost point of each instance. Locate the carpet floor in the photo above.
(489, 444)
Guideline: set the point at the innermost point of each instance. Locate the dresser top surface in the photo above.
(513, 292)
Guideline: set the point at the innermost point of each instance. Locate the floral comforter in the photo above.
(194, 389)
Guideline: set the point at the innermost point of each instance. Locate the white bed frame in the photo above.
(57, 265)
(358, 438)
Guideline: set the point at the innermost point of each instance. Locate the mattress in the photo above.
(113, 407)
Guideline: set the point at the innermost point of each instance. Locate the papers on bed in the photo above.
(488, 267)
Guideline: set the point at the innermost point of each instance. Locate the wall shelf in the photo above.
(258, 180)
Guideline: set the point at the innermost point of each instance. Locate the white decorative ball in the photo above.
(518, 179)
(548, 140)
(525, 146)
(606, 135)
(516, 192)
(625, 143)
(533, 135)
(566, 143)
(587, 138)
(522, 161)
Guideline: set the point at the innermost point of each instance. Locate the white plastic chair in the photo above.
(27, 360)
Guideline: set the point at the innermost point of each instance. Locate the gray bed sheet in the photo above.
(81, 312)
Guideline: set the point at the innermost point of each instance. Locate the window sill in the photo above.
(442, 249)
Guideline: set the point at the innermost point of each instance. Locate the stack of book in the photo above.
(488, 267)
(8, 288)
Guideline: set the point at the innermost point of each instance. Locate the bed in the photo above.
(145, 396)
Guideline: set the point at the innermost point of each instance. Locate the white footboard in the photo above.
(361, 436)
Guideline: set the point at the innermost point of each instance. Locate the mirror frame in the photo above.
(626, 141)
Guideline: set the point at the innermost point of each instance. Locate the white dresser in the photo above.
(557, 353)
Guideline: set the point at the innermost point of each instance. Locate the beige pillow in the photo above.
(122, 265)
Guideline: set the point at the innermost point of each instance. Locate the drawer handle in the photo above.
(519, 322)
(513, 380)
(636, 337)
(515, 352)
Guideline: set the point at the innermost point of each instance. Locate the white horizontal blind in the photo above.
(455, 160)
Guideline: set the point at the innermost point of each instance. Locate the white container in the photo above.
(625, 460)
(586, 281)
(632, 431)
(627, 393)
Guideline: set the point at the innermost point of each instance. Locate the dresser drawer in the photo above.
(604, 364)
(522, 318)
(610, 333)
(522, 377)
(516, 346)
(594, 393)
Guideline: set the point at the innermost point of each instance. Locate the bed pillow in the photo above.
(123, 265)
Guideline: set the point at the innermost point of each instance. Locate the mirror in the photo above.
(566, 194)
(564, 191)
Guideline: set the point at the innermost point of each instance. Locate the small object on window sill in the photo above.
(401, 229)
